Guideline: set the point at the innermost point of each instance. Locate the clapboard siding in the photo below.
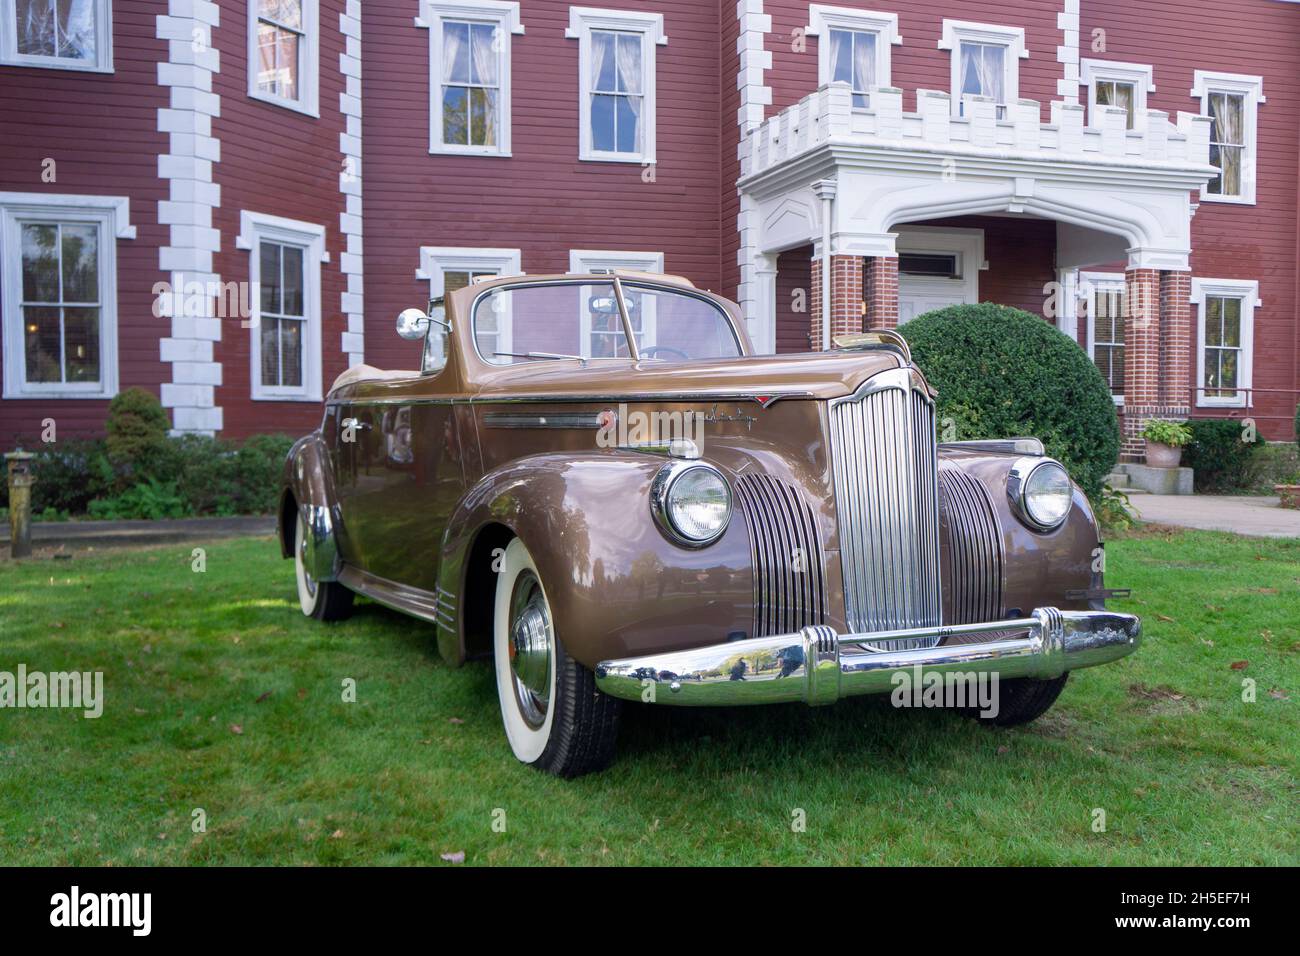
(541, 200)
(101, 131)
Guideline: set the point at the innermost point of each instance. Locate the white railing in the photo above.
(828, 114)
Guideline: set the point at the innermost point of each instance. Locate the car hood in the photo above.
(820, 375)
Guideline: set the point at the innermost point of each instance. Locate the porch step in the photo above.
(1117, 479)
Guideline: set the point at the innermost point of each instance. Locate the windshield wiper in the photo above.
(543, 355)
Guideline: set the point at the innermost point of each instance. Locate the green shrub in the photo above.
(150, 499)
(258, 465)
(1002, 372)
(1164, 431)
(1220, 459)
(136, 434)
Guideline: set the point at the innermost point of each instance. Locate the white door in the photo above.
(937, 268)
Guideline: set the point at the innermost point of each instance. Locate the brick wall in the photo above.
(846, 297)
(882, 293)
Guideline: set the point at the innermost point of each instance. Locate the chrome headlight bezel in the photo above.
(661, 489)
(1018, 480)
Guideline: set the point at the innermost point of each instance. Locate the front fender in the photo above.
(306, 477)
(616, 586)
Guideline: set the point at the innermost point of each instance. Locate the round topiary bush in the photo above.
(1002, 373)
(136, 430)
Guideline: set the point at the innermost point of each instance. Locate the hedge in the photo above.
(1003, 372)
(1220, 460)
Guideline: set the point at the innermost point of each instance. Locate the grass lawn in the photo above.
(219, 695)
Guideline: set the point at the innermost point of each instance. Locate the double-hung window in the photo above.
(284, 270)
(59, 284)
(450, 269)
(1124, 85)
(1225, 337)
(616, 75)
(284, 52)
(469, 74)
(60, 34)
(1231, 101)
(854, 47)
(1103, 295)
(985, 62)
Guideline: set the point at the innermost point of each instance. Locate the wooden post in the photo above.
(20, 503)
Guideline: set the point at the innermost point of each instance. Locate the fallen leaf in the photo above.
(1004, 749)
(1239, 665)
(454, 720)
(1166, 619)
(236, 729)
(1267, 635)
(263, 697)
(302, 692)
(1278, 694)
(1155, 693)
(457, 857)
(336, 835)
(1207, 643)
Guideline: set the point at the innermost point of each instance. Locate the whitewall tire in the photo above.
(322, 600)
(554, 717)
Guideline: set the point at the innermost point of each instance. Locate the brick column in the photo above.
(846, 297)
(1141, 356)
(1176, 343)
(882, 293)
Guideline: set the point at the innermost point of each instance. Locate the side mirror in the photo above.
(412, 324)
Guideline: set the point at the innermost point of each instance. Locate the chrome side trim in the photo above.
(552, 420)
(1008, 446)
(817, 666)
(425, 605)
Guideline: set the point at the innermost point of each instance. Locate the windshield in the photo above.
(522, 324)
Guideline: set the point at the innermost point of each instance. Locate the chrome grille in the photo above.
(884, 459)
(975, 545)
(789, 582)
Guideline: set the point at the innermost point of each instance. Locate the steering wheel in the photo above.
(648, 352)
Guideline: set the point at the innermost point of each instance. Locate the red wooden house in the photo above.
(227, 203)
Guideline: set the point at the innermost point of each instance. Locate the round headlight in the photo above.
(1042, 492)
(691, 502)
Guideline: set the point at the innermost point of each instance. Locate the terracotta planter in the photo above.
(1288, 495)
(1163, 456)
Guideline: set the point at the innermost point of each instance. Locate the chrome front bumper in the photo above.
(818, 666)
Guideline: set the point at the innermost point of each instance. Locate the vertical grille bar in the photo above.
(786, 550)
(975, 543)
(884, 457)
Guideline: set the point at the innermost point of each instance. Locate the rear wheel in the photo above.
(555, 719)
(323, 600)
(1023, 699)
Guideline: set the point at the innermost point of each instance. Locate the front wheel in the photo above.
(323, 600)
(555, 718)
(1023, 699)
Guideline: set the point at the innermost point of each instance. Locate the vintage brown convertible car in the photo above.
(593, 482)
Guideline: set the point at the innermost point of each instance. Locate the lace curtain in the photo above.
(61, 28)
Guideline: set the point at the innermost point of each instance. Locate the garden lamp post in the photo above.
(21, 480)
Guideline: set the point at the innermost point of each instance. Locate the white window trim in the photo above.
(437, 260)
(607, 260)
(590, 260)
(503, 13)
(103, 63)
(112, 213)
(1248, 291)
(582, 20)
(309, 76)
(253, 228)
(822, 17)
(1092, 282)
(1013, 38)
(1251, 88)
(1141, 75)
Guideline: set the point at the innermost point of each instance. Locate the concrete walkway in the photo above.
(1258, 517)
(80, 535)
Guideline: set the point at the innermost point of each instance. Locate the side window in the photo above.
(60, 34)
(59, 286)
(1124, 85)
(1225, 333)
(616, 82)
(1231, 101)
(469, 74)
(284, 53)
(985, 62)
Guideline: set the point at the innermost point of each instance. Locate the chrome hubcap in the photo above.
(531, 646)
